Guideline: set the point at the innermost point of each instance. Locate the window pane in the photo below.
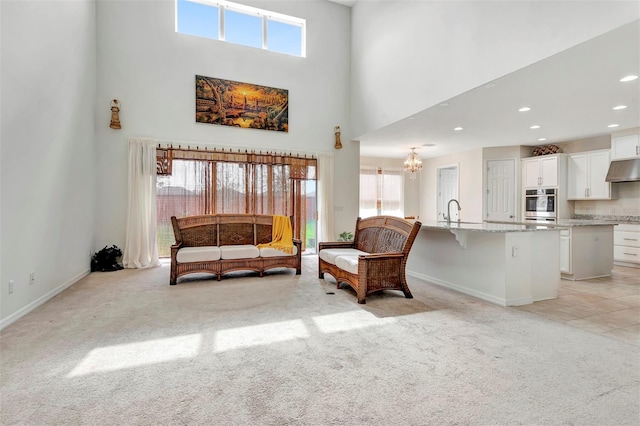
(231, 192)
(391, 193)
(284, 38)
(242, 29)
(368, 191)
(197, 19)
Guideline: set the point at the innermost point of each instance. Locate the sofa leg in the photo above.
(172, 283)
(362, 301)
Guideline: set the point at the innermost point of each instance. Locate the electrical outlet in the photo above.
(32, 278)
(10, 286)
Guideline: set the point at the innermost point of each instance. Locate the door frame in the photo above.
(517, 183)
(455, 166)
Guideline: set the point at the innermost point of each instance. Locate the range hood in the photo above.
(624, 171)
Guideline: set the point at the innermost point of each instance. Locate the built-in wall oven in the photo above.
(540, 205)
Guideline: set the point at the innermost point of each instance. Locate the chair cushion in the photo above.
(198, 254)
(348, 263)
(329, 255)
(273, 252)
(243, 251)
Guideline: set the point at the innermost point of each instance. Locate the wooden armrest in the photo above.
(374, 256)
(336, 244)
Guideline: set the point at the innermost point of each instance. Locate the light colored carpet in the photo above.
(126, 348)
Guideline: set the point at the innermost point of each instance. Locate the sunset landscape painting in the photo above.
(232, 103)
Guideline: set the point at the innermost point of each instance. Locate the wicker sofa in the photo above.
(375, 260)
(218, 244)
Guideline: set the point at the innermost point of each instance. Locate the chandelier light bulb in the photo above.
(413, 163)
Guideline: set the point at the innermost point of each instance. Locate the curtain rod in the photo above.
(231, 150)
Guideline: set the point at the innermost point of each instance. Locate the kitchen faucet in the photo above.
(449, 210)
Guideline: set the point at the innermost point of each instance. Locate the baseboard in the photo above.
(31, 306)
(480, 295)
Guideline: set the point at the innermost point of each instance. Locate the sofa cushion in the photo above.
(273, 252)
(348, 263)
(329, 255)
(198, 254)
(243, 251)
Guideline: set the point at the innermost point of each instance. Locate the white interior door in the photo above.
(501, 194)
(447, 190)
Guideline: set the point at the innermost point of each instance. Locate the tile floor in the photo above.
(609, 306)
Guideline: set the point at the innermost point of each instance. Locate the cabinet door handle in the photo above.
(630, 239)
(630, 254)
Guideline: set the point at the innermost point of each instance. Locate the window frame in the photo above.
(265, 15)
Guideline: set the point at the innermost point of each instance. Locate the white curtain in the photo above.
(368, 191)
(392, 192)
(325, 197)
(140, 249)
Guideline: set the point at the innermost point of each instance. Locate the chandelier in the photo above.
(413, 163)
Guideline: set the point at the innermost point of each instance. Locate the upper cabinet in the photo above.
(625, 147)
(586, 176)
(540, 171)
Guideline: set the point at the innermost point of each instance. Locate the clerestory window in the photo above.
(240, 24)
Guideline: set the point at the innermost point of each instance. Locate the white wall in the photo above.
(410, 55)
(470, 166)
(48, 156)
(151, 69)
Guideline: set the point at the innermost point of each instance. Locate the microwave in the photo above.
(540, 203)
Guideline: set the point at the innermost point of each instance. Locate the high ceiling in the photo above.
(571, 96)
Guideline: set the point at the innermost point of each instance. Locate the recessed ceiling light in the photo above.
(457, 129)
(613, 125)
(524, 109)
(535, 126)
(428, 145)
(628, 78)
(619, 107)
(542, 139)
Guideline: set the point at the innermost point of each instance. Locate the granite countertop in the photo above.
(486, 226)
(629, 219)
(584, 222)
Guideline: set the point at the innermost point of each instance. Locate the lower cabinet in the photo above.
(626, 245)
(586, 252)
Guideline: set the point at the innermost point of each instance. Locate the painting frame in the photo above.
(237, 104)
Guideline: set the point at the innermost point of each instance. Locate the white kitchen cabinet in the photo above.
(565, 251)
(586, 252)
(626, 245)
(586, 176)
(540, 171)
(623, 147)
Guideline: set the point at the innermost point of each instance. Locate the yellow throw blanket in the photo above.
(281, 235)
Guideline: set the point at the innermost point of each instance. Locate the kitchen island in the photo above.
(506, 264)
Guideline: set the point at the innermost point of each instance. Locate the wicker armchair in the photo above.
(375, 260)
